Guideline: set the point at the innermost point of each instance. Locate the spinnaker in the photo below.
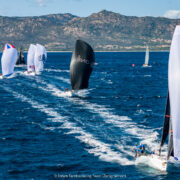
(81, 66)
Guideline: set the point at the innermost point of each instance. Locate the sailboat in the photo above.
(30, 60)
(146, 58)
(36, 58)
(20, 61)
(8, 60)
(40, 58)
(81, 66)
(171, 125)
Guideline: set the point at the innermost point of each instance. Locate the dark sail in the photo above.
(81, 66)
(170, 141)
(20, 60)
(165, 131)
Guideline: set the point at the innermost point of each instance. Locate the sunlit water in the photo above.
(47, 133)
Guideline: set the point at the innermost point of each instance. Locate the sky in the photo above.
(83, 8)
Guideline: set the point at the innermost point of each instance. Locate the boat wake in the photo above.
(56, 70)
(122, 152)
(148, 75)
(153, 161)
(98, 148)
(125, 123)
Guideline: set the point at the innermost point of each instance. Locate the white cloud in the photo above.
(172, 14)
(41, 3)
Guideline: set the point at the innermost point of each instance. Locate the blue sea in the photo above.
(47, 134)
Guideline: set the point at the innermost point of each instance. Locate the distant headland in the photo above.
(105, 31)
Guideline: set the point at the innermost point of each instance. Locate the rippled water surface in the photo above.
(45, 133)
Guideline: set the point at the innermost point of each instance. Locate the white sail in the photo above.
(8, 59)
(147, 56)
(30, 57)
(174, 89)
(40, 57)
(45, 53)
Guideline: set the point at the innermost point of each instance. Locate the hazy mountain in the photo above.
(104, 31)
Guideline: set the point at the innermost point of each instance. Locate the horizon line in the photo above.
(103, 10)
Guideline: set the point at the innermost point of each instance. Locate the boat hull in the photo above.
(153, 161)
(29, 73)
(145, 65)
(20, 65)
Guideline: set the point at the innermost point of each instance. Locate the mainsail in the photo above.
(174, 90)
(20, 60)
(147, 56)
(40, 57)
(30, 58)
(8, 60)
(165, 131)
(81, 66)
(170, 141)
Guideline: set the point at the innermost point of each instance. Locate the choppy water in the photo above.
(47, 134)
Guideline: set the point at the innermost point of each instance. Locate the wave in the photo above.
(62, 79)
(15, 74)
(125, 123)
(98, 148)
(56, 70)
(94, 108)
(133, 130)
(109, 82)
(67, 80)
(140, 111)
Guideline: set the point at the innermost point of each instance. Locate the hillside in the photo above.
(105, 31)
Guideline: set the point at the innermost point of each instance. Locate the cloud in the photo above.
(41, 3)
(172, 14)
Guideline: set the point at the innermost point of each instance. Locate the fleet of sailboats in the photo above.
(81, 67)
(36, 58)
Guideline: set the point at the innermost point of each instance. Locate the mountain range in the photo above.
(105, 31)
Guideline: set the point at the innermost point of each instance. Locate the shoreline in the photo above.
(102, 51)
(108, 51)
